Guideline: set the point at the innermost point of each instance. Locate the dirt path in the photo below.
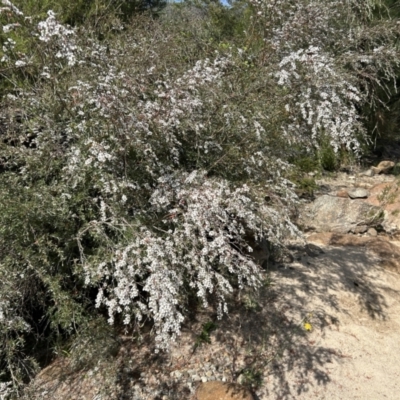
(353, 349)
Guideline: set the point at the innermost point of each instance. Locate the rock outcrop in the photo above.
(384, 167)
(356, 203)
(387, 197)
(342, 215)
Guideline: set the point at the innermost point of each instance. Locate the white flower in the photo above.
(12, 7)
(20, 63)
(9, 27)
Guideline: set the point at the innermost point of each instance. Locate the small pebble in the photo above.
(360, 229)
(358, 193)
(178, 374)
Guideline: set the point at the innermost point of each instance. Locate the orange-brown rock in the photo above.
(383, 167)
(59, 381)
(338, 239)
(387, 196)
(216, 390)
(342, 193)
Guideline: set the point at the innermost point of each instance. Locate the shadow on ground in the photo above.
(316, 292)
(271, 342)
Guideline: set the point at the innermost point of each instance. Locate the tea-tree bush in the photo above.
(134, 168)
(125, 182)
(333, 56)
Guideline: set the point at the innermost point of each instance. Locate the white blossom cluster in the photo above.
(9, 321)
(154, 122)
(6, 390)
(200, 243)
(313, 45)
(294, 24)
(324, 103)
(197, 238)
(9, 6)
(51, 30)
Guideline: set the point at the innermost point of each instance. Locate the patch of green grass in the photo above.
(307, 163)
(328, 158)
(305, 185)
(204, 336)
(396, 170)
(250, 304)
(251, 377)
(388, 195)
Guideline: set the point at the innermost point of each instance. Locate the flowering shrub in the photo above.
(134, 169)
(333, 59)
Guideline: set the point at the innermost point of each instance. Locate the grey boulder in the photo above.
(341, 215)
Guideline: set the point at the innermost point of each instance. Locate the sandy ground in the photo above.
(353, 348)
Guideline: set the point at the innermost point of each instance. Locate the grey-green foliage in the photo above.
(100, 13)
